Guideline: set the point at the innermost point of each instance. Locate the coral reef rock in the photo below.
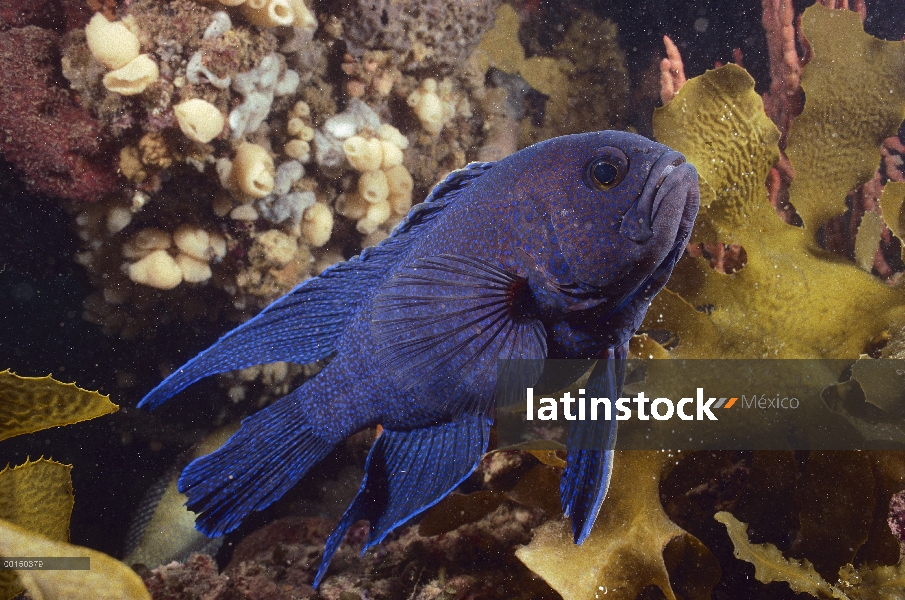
(56, 144)
(444, 33)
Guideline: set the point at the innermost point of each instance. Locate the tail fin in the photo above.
(269, 454)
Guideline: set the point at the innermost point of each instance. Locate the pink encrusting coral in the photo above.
(55, 143)
(58, 15)
(39, 13)
(897, 519)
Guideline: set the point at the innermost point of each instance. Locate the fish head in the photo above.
(610, 211)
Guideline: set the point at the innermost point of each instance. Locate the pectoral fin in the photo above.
(443, 322)
(590, 447)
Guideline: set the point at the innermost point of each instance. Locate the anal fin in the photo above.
(408, 472)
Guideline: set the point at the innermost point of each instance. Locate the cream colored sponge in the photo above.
(253, 170)
(304, 18)
(431, 110)
(145, 242)
(133, 78)
(193, 241)
(373, 186)
(363, 154)
(318, 224)
(112, 44)
(269, 13)
(377, 214)
(199, 120)
(193, 270)
(158, 270)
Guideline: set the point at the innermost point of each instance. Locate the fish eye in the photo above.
(607, 170)
(604, 173)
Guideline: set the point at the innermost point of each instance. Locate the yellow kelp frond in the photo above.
(718, 122)
(36, 495)
(107, 579)
(891, 201)
(770, 565)
(670, 311)
(791, 299)
(624, 553)
(29, 404)
(855, 98)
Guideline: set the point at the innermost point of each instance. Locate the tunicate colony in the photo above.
(259, 143)
(262, 177)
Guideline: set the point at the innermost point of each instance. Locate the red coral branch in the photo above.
(672, 72)
(857, 5)
(784, 101)
(892, 152)
(724, 258)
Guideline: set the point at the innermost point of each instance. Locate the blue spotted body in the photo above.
(553, 252)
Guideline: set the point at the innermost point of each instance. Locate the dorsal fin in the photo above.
(443, 194)
(304, 325)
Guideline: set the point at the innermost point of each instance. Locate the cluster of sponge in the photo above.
(259, 87)
(255, 115)
(384, 187)
(357, 138)
(300, 131)
(159, 265)
(434, 104)
(116, 47)
(275, 13)
(268, 192)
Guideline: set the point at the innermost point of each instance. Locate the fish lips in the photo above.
(676, 203)
(670, 183)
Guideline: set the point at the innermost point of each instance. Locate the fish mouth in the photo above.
(672, 181)
(667, 173)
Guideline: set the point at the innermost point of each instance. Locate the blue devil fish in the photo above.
(553, 252)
